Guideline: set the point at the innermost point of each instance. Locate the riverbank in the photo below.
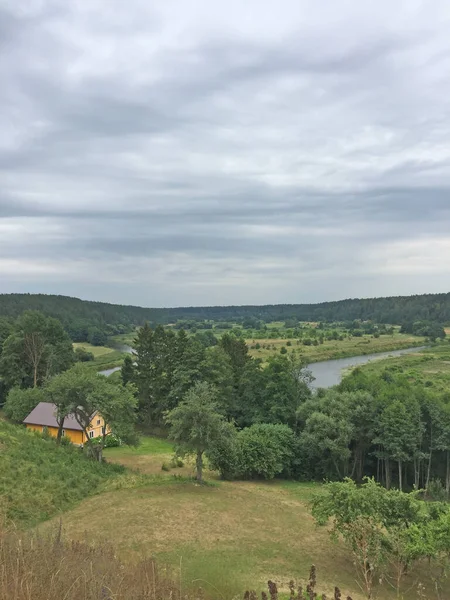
(334, 349)
(429, 367)
(330, 372)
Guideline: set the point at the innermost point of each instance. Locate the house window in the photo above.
(63, 432)
(91, 434)
(98, 421)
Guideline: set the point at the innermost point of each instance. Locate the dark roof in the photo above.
(44, 414)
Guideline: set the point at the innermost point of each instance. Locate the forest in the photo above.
(95, 321)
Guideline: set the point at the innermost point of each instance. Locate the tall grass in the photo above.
(37, 567)
(39, 479)
(47, 568)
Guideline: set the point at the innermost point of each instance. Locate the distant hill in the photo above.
(75, 313)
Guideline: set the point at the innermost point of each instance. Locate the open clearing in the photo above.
(96, 350)
(226, 536)
(332, 349)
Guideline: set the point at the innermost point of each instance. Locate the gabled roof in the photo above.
(44, 414)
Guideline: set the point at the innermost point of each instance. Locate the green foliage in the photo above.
(39, 480)
(196, 424)
(82, 392)
(264, 450)
(82, 355)
(37, 348)
(78, 315)
(20, 403)
(127, 371)
(97, 336)
(375, 524)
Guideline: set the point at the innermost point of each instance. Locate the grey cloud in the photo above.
(207, 160)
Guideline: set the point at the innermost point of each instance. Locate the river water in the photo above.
(329, 372)
(326, 373)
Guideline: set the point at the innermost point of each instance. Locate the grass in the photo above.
(95, 350)
(227, 537)
(334, 349)
(430, 367)
(39, 480)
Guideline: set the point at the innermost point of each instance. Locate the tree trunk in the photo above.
(387, 465)
(400, 482)
(429, 467)
(447, 476)
(199, 464)
(35, 368)
(60, 431)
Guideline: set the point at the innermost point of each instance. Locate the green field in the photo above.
(430, 366)
(226, 537)
(104, 357)
(332, 349)
(329, 350)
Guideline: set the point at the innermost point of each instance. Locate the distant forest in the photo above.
(80, 316)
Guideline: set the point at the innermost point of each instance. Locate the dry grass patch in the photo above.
(234, 534)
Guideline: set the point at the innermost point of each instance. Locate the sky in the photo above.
(189, 152)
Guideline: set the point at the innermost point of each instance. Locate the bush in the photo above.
(224, 456)
(265, 450)
(289, 343)
(165, 467)
(19, 403)
(283, 350)
(82, 355)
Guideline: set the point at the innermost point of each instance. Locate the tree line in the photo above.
(271, 423)
(86, 319)
(265, 420)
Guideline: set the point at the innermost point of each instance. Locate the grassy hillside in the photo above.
(39, 480)
(225, 537)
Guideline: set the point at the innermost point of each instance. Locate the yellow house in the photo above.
(43, 417)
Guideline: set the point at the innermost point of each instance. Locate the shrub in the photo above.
(82, 355)
(165, 467)
(283, 350)
(224, 456)
(265, 450)
(289, 343)
(20, 403)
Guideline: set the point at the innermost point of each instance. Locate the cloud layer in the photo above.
(194, 152)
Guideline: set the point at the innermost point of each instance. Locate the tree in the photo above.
(82, 355)
(19, 403)
(97, 337)
(127, 371)
(400, 433)
(37, 348)
(195, 424)
(368, 518)
(82, 392)
(265, 450)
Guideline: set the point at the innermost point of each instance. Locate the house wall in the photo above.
(76, 437)
(97, 425)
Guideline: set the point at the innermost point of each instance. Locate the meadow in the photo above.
(224, 536)
(104, 356)
(429, 367)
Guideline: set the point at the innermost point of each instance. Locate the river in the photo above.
(329, 372)
(326, 373)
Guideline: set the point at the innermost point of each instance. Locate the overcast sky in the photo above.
(198, 152)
